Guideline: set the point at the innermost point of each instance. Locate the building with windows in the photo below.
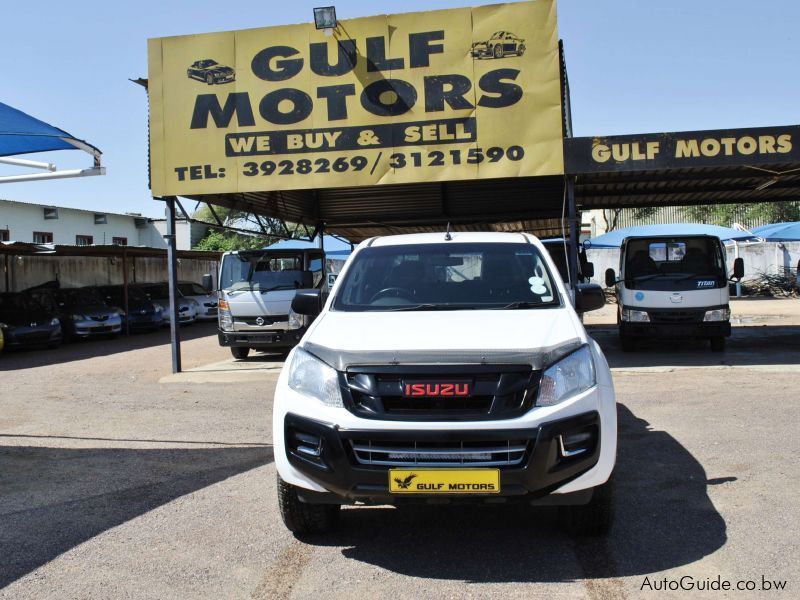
(47, 224)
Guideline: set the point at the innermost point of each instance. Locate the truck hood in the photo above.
(534, 336)
(245, 303)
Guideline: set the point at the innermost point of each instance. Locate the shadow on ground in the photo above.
(82, 349)
(52, 499)
(747, 346)
(664, 520)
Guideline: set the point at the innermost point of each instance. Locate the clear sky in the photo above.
(635, 66)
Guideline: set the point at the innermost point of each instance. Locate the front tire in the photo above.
(240, 352)
(498, 51)
(593, 519)
(302, 518)
(210, 79)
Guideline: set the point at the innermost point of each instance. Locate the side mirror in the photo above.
(611, 278)
(738, 268)
(588, 270)
(307, 279)
(589, 296)
(307, 302)
(207, 283)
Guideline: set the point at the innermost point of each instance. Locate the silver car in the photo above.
(159, 294)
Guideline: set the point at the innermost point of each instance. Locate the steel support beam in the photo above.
(572, 219)
(172, 278)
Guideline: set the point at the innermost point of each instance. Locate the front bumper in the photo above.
(705, 329)
(260, 339)
(32, 337)
(543, 469)
(92, 328)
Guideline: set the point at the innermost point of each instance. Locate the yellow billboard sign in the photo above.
(456, 94)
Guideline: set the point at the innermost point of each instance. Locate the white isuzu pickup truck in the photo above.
(446, 368)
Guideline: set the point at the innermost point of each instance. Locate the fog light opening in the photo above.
(574, 444)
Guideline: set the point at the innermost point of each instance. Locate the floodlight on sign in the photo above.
(325, 18)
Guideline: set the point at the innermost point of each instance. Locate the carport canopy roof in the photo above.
(688, 168)
(21, 133)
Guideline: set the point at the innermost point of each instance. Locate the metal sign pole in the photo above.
(572, 218)
(172, 278)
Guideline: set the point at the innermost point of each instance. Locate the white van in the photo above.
(673, 286)
(446, 368)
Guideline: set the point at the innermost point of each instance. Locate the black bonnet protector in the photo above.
(537, 359)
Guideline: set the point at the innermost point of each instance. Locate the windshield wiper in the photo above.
(283, 286)
(522, 304)
(430, 307)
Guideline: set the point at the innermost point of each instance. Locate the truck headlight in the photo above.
(568, 377)
(225, 320)
(312, 377)
(719, 314)
(53, 322)
(635, 316)
(295, 320)
(78, 318)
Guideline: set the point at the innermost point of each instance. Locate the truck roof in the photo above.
(456, 236)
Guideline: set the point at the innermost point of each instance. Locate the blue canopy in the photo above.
(22, 134)
(779, 232)
(613, 239)
(334, 247)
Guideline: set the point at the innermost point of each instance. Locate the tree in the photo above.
(612, 215)
(749, 215)
(225, 241)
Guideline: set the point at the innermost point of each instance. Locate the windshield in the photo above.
(680, 263)
(18, 302)
(191, 289)
(117, 296)
(263, 272)
(448, 276)
(78, 297)
(156, 291)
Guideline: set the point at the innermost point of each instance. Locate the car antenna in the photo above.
(447, 236)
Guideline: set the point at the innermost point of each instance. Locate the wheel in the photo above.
(240, 352)
(627, 342)
(717, 343)
(300, 517)
(521, 50)
(210, 79)
(498, 51)
(594, 519)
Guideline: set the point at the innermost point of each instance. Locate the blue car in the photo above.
(142, 315)
(25, 324)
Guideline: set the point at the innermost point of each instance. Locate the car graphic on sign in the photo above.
(502, 43)
(211, 72)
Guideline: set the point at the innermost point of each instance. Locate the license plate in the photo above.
(444, 481)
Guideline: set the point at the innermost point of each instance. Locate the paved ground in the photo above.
(115, 485)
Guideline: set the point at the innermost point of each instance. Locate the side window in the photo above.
(315, 266)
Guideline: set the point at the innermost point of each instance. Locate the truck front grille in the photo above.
(674, 316)
(496, 392)
(412, 453)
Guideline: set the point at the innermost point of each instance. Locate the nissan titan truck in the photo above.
(255, 291)
(673, 286)
(446, 369)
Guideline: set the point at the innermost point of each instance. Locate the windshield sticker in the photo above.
(537, 285)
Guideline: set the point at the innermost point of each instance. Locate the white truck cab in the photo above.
(446, 368)
(673, 286)
(256, 288)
